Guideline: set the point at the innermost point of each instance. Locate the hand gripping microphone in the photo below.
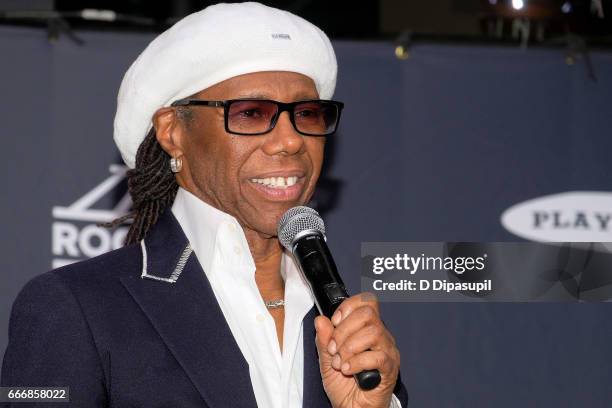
(301, 231)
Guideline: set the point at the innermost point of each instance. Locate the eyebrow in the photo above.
(298, 97)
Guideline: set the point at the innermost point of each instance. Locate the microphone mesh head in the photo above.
(296, 220)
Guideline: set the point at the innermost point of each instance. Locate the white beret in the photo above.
(210, 46)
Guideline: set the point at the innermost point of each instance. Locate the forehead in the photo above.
(278, 85)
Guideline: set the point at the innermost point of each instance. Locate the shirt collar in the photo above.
(220, 244)
(216, 237)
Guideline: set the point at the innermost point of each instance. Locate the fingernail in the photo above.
(345, 367)
(336, 318)
(331, 347)
(336, 362)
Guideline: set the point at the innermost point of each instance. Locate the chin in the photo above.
(269, 224)
(260, 222)
(267, 231)
(263, 216)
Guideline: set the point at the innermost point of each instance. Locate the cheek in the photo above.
(217, 164)
(316, 149)
(200, 154)
(204, 149)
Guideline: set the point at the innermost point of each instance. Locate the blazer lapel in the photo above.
(313, 394)
(177, 298)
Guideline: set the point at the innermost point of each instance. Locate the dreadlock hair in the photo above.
(151, 185)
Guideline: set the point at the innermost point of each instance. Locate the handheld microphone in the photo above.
(302, 231)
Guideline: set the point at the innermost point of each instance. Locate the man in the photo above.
(203, 307)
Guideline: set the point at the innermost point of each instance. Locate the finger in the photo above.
(370, 360)
(358, 320)
(371, 337)
(352, 303)
(324, 330)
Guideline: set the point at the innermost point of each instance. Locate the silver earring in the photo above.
(176, 164)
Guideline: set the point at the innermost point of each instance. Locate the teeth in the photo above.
(277, 182)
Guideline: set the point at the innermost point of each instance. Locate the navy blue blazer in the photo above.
(118, 340)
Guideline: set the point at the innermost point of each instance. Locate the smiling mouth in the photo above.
(276, 182)
(279, 188)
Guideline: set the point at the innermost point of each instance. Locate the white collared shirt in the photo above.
(222, 249)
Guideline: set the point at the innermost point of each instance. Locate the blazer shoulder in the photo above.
(71, 291)
(50, 342)
(120, 262)
(98, 275)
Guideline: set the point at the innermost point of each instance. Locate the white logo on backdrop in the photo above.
(575, 216)
(74, 233)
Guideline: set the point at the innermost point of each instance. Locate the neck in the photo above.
(267, 254)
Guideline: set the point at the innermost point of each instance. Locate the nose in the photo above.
(283, 139)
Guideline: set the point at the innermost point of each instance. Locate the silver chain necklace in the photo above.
(274, 304)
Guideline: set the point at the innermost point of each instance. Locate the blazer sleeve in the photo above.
(50, 344)
(400, 391)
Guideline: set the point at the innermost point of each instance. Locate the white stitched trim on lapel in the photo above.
(177, 270)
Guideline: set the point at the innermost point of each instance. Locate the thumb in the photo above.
(324, 329)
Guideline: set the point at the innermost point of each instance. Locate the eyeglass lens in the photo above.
(255, 116)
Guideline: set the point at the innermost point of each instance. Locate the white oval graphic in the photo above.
(574, 216)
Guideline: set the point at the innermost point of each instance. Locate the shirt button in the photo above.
(237, 250)
(260, 318)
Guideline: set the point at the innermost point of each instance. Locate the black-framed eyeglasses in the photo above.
(251, 117)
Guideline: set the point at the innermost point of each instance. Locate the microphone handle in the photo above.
(318, 267)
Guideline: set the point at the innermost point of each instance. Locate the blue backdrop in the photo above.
(434, 148)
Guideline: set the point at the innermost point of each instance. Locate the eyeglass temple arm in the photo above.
(187, 102)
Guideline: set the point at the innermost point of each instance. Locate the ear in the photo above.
(168, 131)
